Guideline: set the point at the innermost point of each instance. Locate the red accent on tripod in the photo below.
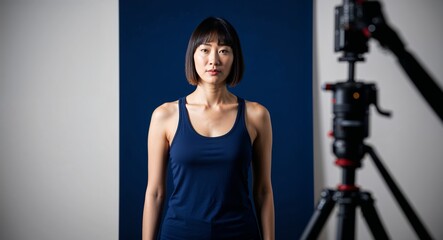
(347, 188)
(343, 162)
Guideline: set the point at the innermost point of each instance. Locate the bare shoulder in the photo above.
(256, 112)
(164, 120)
(165, 112)
(258, 121)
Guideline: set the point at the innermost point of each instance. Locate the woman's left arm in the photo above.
(259, 118)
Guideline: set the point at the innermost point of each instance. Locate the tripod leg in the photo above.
(371, 216)
(418, 226)
(346, 215)
(318, 219)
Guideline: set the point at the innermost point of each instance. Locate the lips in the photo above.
(213, 71)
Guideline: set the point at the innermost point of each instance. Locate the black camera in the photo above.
(354, 23)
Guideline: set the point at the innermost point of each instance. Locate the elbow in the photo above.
(262, 193)
(157, 195)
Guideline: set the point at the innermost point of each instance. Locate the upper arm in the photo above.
(259, 121)
(158, 147)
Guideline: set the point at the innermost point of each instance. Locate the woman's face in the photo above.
(213, 62)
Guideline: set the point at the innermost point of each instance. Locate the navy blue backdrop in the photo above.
(276, 38)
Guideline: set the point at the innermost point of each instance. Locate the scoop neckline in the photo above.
(215, 137)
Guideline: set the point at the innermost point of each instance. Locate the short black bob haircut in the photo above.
(209, 29)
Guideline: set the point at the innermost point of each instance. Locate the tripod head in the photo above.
(351, 100)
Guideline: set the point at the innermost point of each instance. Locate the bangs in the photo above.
(219, 35)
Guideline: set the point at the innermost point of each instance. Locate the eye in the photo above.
(224, 51)
(204, 50)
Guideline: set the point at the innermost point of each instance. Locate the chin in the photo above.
(215, 81)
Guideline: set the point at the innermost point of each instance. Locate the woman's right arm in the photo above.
(158, 145)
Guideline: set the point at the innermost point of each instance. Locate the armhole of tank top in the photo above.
(244, 119)
(179, 122)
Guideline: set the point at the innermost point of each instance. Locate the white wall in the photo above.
(58, 119)
(411, 142)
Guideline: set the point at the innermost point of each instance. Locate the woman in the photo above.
(210, 138)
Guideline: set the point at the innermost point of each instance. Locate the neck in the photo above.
(211, 95)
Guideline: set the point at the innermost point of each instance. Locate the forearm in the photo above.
(151, 216)
(264, 204)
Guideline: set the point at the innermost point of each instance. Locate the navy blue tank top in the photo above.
(210, 199)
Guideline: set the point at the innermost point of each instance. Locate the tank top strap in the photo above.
(181, 105)
(241, 110)
(183, 114)
(241, 104)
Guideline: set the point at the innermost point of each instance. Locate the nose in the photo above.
(214, 59)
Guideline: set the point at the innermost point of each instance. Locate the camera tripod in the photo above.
(356, 21)
(351, 103)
